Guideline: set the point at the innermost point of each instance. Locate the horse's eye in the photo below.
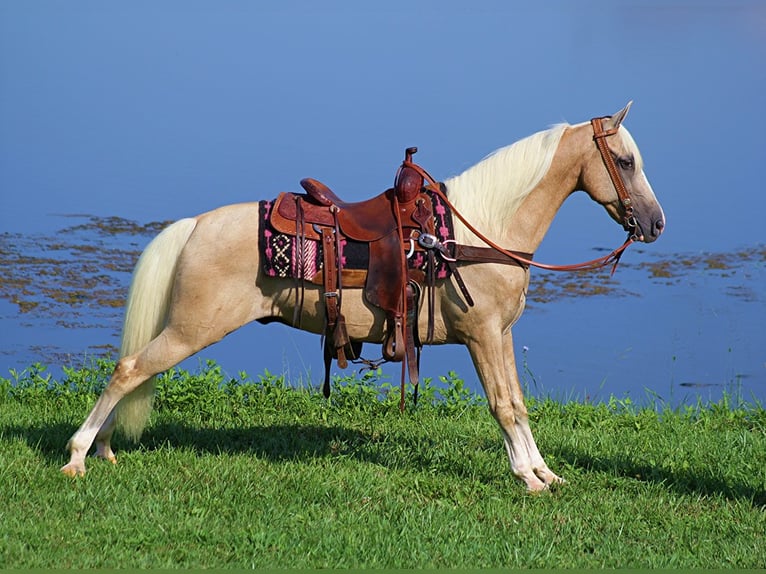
(626, 163)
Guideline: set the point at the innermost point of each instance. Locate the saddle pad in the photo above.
(279, 253)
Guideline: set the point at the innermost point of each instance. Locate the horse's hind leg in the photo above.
(162, 353)
(104, 439)
(125, 378)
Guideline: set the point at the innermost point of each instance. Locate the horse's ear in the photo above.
(615, 120)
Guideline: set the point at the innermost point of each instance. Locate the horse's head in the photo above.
(613, 176)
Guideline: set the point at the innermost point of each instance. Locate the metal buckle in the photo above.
(428, 241)
(431, 242)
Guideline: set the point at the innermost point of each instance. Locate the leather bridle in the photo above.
(488, 255)
(629, 222)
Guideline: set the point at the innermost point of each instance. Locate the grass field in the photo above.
(253, 473)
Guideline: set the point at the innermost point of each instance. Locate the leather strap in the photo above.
(460, 283)
(300, 242)
(599, 136)
(431, 295)
(489, 255)
(331, 295)
(331, 303)
(410, 344)
(330, 275)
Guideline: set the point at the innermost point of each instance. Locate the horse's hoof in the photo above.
(110, 457)
(73, 470)
(547, 486)
(557, 484)
(535, 485)
(549, 477)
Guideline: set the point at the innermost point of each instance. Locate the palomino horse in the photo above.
(202, 278)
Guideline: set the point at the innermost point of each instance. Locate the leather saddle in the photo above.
(389, 224)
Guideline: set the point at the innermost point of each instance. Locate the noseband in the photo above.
(629, 222)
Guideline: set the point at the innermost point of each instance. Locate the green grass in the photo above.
(253, 473)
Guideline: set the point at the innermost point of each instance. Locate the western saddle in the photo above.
(390, 225)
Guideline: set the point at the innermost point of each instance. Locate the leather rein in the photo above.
(496, 254)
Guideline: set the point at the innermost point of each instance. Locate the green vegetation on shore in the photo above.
(255, 473)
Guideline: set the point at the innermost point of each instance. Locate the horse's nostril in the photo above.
(659, 226)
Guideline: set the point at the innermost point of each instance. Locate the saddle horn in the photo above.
(408, 182)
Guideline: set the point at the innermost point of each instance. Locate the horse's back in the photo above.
(227, 232)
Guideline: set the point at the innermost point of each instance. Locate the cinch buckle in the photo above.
(428, 241)
(431, 242)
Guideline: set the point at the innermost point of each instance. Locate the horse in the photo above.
(201, 278)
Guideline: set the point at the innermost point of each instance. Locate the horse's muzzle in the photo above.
(655, 227)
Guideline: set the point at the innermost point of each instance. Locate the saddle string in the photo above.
(402, 318)
(300, 242)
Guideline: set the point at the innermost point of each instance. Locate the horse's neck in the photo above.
(515, 222)
(531, 222)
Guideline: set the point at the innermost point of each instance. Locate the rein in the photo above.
(613, 258)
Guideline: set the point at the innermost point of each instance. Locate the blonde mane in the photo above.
(490, 192)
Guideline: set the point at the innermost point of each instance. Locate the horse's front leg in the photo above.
(505, 405)
(521, 417)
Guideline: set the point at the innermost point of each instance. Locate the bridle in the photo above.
(630, 224)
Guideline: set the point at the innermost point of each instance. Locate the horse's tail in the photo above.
(146, 314)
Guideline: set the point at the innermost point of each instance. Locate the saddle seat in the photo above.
(367, 220)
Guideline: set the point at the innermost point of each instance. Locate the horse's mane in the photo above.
(490, 192)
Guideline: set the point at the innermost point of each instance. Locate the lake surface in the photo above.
(160, 110)
(672, 328)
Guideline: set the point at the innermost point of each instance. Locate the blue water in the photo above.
(692, 336)
(677, 343)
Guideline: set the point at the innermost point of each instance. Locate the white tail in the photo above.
(146, 313)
